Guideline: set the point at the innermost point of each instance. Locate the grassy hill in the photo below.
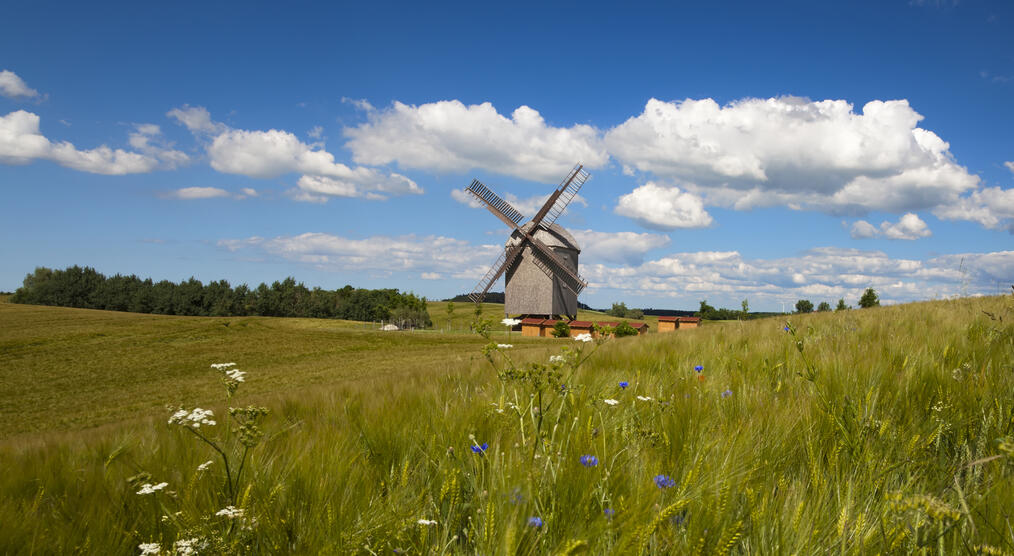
(887, 430)
(461, 318)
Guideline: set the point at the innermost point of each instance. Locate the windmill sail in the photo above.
(506, 259)
(500, 208)
(568, 190)
(546, 260)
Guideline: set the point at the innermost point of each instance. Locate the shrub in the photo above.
(869, 299)
(561, 330)
(624, 329)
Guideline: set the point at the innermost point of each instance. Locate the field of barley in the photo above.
(884, 430)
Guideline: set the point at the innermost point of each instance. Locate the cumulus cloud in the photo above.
(863, 230)
(663, 208)
(1009, 165)
(909, 227)
(826, 274)
(148, 139)
(192, 193)
(21, 142)
(448, 136)
(815, 155)
(272, 153)
(992, 207)
(617, 247)
(12, 86)
(436, 255)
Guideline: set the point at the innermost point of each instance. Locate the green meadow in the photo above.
(887, 430)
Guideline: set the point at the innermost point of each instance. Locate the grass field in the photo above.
(887, 430)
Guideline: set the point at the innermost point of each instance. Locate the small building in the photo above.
(689, 322)
(640, 327)
(531, 327)
(578, 327)
(667, 324)
(546, 328)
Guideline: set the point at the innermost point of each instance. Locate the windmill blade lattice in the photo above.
(500, 208)
(568, 190)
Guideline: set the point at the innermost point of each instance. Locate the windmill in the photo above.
(539, 260)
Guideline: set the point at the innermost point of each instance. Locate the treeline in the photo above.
(87, 289)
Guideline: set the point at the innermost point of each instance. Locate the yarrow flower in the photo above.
(481, 448)
(589, 461)
(426, 522)
(556, 359)
(609, 401)
(699, 368)
(584, 337)
(624, 384)
(204, 466)
(194, 418)
(230, 512)
(505, 346)
(727, 393)
(644, 398)
(149, 548)
(510, 322)
(186, 547)
(664, 481)
(535, 521)
(148, 488)
(220, 366)
(235, 374)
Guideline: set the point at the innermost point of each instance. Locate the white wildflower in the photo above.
(644, 398)
(609, 401)
(230, 512)
(584, 337)
(511, 322)
(194, 418)
(426, 522)
(204, 466)
(149, 548)
(186, 547)
(505, 346)
(220, 366)
(148, 488)
(556, 359)
(235, 374)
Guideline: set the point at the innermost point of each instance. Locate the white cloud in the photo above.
(992, 207)
(272, 153)
(148, 139)
(431, 276)
(436, 255)
(863, 230)
(617, 247)
(12, 86)
(21, 142)
(448, 136)
(909, 226)
(316, 133)
(663, 208)
(189, 193)
(250, 192)
(1009, 165)
(794, 152)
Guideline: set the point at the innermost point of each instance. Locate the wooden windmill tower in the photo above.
(539, 260)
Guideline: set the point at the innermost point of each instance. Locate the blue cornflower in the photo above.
(481, 449)
(786, 328)
(624, 384)
(727, 393)
(589, 461)
(535, 522)
(609, 513)
(664, 481)
(699, 368)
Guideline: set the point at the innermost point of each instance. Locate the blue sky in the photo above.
(739, 150)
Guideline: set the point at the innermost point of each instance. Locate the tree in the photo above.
(450, 313)
(841, 305)
(624, 329)
(869, 299)
(618, 310)
(746, 308)
(823, 307)
(635, 314)
(561, 329)
(804, 306)
(706, 311)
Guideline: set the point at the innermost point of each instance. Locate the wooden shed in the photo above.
(689, 322)
(546, 328)
(667, 324)
(578, 327)
(531, 327)
(640, 327)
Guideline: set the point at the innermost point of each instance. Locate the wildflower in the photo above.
(609, 513)
(149, 548)
(664, 481)
(609, 401)
(727, 393)
(699, 368)
(148, 488)
(556, 359)
(589, 461)
(220, 366)
(186, 547)
(235, 375)
(535, 522)
(786, 329)
(505, 346)
(480, 449)
(585, 337)
(204, 466)
(644, 398)
(194, 418)
(230, 512)
(426, 522)
(511, 322)
(624, 384)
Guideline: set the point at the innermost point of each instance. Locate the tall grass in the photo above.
(877, 431)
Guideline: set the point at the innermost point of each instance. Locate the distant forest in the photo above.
(87, 289)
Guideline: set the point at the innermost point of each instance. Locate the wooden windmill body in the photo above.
(540, 259)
